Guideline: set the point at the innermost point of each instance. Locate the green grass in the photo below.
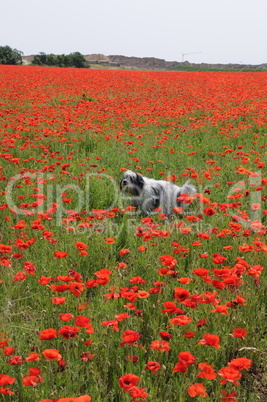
(90, 184)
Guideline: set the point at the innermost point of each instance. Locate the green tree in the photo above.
(40, 59)
(10, 56)
(77, 60)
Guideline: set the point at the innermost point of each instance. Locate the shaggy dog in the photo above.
(148, 194)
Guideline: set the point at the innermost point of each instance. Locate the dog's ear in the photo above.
(139, 181)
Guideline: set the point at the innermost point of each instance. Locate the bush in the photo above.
(10, 56)
(75, 59)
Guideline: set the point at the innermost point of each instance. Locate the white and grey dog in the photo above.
(147, 194)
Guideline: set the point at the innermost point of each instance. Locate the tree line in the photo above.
(14, 56)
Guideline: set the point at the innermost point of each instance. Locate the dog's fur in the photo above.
(147, 194)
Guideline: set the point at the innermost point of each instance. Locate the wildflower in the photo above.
(60, 254)
(133, 359)
(166, 336)
(240, 363)
(19, 276)
(33, 378)
(68, 332)
(124, 251)
(58, 300)
(122, 316)
(218, 258)
(8, 351)
(189, 334)
(239, 333)
(66, 317)
(180, 367)
(187, 358)
(180, 320)
(85, 356)
(82, 398)
(82, 321)
(110, 240)
(46, 334)
(222, 308)
(32, 357)
(209, 211)
(82, 248)
(207, 371)
(210, 340)
(52, 354)
(181, 293)
(136, 392)
(153, 366)
(130, 337)
(121, 265)
(15, 361)
(127, 381)
(197, 389)
(168, 261)
(228, 397)
(201, 322)
(163, 346)
(6, 380)
(229, 374)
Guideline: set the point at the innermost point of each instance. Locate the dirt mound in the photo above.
(147, 63)
(96, 57)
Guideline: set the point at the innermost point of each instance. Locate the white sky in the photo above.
(222, 31)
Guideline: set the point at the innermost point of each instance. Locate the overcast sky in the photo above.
(214, 31)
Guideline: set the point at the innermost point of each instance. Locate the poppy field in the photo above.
(99, 302)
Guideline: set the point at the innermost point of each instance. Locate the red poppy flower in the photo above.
(20, 276)
(82, 321)
(228, 397)
(15, 361)
(153, 366)
(82, 398)
(240, 363)
(60, 254)
(136, 392)
(6, 380)
(207, 371)
(229, 374)
(189, 334)
(49, 333)
(128, 381)
(124, 251)
(168, 261)
(180, 320)
(239, 333)
(68, 332)
(209, 211)
(8, 351)
(52, 354)
(180, 367)
(181, 294)
(58, 300)
(31, 380)
(163, 346)
(197, 389)
(166, 336)
(32, 357)
(210, 340)
(130, 337)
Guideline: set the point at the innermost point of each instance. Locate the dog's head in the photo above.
(132, 183)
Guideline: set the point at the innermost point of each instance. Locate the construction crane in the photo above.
(185, 54)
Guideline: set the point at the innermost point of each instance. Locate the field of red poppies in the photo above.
(99, 302)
